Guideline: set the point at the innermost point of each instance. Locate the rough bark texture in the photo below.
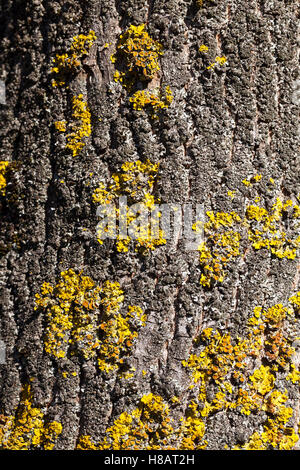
(223, 126)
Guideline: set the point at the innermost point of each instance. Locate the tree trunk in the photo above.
(231, 127)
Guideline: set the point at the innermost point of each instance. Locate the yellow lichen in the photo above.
(136, 183)
(218, 61)
(294, 375)
(223, 359)
(28, 429)
(295, 301)
(203, 48)
(150, 427)
(262, 380)
(61, 126)
(263, 228)
(65, 65)
(221, 245)
(81, 128)
(140, 52)
(137, 59)
(154, 100)
(118, 334)
(85, 319)
(276, 434)
(71, 314)
(3, 169)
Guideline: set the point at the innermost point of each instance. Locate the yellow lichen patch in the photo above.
(294, 375)
(264, 229)
(203, 48)
(80, 128)
(254, 443)
(82, 43)
(150, 427)
(60, 126)
(71, 314)
(274, 229)
(252, 180)
(295, 301)
(154, 100)
(192, 430)
(137, 59)
(3, 169)
(83, 318)
(28, 429)
(118, 334)
(221, 245)
(246, 182)
(296, 211)
(218, 357)
(276, 433)
(140, 52)
(112, 297)
(275, 315)
(85, 443)
(222, 360)
(65, 65)
(218, 61)
(147, 427)
(262, 380)
(136, 179)
(140, 220)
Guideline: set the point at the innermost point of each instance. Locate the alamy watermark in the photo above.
(141, 221)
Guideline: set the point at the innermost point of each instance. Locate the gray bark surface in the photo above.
(223, 125)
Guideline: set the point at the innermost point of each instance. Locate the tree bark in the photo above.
(225, 125)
